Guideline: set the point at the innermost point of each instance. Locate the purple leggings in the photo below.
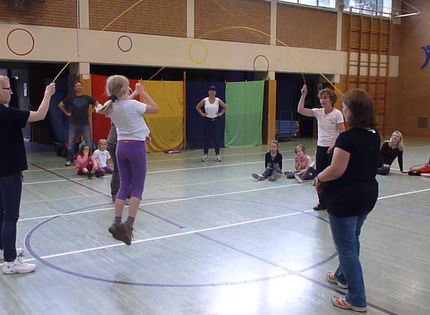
(131, 159)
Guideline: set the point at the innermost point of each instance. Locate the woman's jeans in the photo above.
(10, 199)
(346, 232)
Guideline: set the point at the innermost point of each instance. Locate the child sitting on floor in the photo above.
(272, 162)
(86, 164)
(303, 164)
(102, 156)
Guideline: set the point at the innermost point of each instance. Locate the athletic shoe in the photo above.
(218, 158)
(18, 266)
(258, 176)
(205, 158)
(19, 253)
(318, 207)
(121, 232)
(68, 163)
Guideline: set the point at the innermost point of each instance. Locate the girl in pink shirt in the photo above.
(303, 165)
(86, 164)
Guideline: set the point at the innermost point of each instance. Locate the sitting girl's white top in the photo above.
(101, 157)
(127, 115)
(211, 108)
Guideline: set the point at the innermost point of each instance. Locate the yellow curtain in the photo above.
(167, 126)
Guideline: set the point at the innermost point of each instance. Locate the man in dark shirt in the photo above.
(76, 107)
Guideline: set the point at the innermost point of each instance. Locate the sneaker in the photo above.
(341, 302)
(332, 279)
(19, 253)
(205, 158)
(258, 176)
(115, 230)
(298, 179)
(122, 232)
(68, 163)
(98, 175)
(318, 207)
(90, 175)
(218, 158)
(18, 266)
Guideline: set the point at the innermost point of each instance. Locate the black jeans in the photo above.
(323, 159)
(209, 131)
(10, 199)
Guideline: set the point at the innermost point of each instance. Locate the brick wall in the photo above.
(306, 27)
(414, 83)
(55, 13)
(212, 16)
(155, 17)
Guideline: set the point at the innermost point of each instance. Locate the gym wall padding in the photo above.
(195, 92)
(166, 126)
(245, 113)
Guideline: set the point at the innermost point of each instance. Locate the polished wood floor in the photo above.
(209, 239)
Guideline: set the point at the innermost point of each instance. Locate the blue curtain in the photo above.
(196, 91)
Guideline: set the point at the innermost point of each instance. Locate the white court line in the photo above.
(205, 229)
(155, 172)
(199, 157)
(404, 194)
(162, 202)
(214, 228)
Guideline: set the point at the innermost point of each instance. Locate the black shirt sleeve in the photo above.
(267, 160)
(278, 160)
(400, 160)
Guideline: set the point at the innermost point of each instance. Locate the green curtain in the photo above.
(244, 118)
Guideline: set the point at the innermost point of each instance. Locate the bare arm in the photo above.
(224, 108)
(41, 112)
(199, 108)
(301, 105)
(62, 107)
(151, 106)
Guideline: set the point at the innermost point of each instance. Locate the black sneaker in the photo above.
(319, 207)
(90, 175)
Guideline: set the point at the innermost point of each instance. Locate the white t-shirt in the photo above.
(211, 108)
(327, 126)
(127, 115)
(101, 157)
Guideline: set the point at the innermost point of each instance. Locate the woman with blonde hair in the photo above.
(390, 150)
(127, 115)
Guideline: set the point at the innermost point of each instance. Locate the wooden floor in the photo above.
(209, 239)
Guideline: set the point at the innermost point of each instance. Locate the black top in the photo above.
(78, 107)
(388, 155)
(356, 191)
(12, 158)
(271, 163)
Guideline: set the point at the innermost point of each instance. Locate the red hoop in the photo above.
(25, 31)
(262, 56)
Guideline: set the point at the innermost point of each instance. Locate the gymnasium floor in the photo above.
(209, 239)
